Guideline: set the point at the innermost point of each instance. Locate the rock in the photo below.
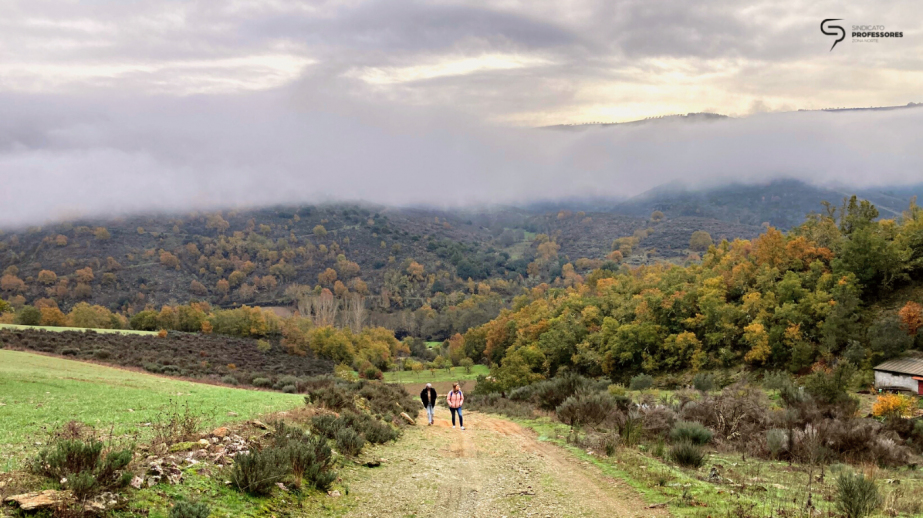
(409, 420)
(183, 446)
(204, 443)
(281, 486)
(137, 482)
(372, 464)
(47, 499)
(220, 433)
(334, 493)
(232, 414)
(259, 424)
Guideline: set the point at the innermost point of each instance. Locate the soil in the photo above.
(494, 468)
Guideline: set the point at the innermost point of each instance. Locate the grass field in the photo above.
(59, 329)
(38, 393)
(431, 345)
(457, 373)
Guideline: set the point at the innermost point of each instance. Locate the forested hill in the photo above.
(398, 258)
(419, 271)
(841, 286)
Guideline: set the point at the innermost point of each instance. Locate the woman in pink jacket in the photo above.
(455, 399)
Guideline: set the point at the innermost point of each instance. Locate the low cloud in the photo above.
(98, 156)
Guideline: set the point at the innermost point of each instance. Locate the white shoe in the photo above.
(453, 426)
(463, 427)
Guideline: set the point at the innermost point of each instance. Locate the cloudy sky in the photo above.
(112, 105)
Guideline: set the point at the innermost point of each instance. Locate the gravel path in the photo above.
(495, 468)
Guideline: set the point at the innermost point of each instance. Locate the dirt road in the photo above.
(495, 468)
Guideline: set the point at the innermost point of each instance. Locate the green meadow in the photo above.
(39, 393)
(59, 329)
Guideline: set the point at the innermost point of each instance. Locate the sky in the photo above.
(127, 106)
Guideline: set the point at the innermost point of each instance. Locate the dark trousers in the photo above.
(459, 412)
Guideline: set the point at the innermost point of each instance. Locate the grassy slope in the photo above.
(59, 329)
(457, 373)
(40, 392)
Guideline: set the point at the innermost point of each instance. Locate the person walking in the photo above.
(455, 399)
(428, 397)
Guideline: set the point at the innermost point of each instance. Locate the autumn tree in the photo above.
(700, 241)
(327, 277)
(217, 223)
(47, 277)
(84, 275)
(101, 234)
(197, 288)
(169, 260)
(912, 317)
(223, 286)
(657, 216)
(320, 231)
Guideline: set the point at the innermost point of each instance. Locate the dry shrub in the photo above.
(658, 421)
(591, 409)
(737, 412)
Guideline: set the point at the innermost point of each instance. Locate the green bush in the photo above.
(257, 472)
(856, 495)
(641, 382)
(29, 316)
(687, 455)
(289, 389)
(327, 425)
(262, 382)
(349, 442)
(372, 429)
(84, 465)
(230, 380)
(189, 510)
(703, 382)
(691, 432)
(334, 397)
(311, 461)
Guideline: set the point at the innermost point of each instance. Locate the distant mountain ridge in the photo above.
(780, 203)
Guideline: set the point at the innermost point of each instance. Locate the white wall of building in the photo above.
(887, 379)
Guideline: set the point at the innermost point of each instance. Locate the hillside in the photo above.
(254, 256)
(781, 203)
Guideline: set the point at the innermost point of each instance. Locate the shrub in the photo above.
(893, 405)
(349, 442)
(703, 382)
(101, 354)
(282, 382)
(289, 389)
(230, 380)
(257, 472)
(495, 403)
(263, 346)
(586, 409)
(641, 382)
(776, 442)
(261, 382)
(372, 429)
(327, 425)
(333, 397)
(29, 316)
(857, 496)
(691, 432)
(311, 460)
(189, 510)
(687, 455)
(84, 465)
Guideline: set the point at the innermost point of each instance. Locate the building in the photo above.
(900, 374)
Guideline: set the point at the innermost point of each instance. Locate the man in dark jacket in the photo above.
(428, 397)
